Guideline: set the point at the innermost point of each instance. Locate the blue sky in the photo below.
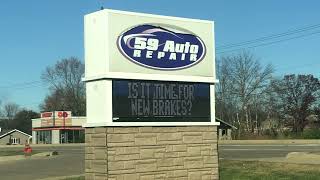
(35, 34)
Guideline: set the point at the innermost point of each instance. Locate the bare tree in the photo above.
(224, 97)
(10, 110)
(55, 101)
(67, 91)
(298, 96)
(242, 78)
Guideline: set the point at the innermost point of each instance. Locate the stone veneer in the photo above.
(146, 153)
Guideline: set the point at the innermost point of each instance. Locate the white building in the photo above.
(58, 127)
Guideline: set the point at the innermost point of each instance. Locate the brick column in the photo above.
(146, 153)
(96, 153)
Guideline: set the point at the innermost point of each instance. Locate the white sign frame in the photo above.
(98, 76)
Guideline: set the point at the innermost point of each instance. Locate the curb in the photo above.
(22, 157)
(62, 177)
(280, 142)
(44, 145)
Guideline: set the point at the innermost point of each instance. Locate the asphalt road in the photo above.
(71, 159)
(263, 151)
(66, 149)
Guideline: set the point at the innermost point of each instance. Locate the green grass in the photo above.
(251, 170)
(15, 152)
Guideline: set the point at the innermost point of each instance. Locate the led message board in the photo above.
(153, 101)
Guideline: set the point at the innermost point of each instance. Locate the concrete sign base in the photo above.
(130, 153)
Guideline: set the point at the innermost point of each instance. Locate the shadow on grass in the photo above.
(253, 170)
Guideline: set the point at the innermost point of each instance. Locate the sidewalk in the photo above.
(274, 142)
(291, 158)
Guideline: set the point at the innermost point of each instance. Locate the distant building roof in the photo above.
(225, 124)
(6, 132)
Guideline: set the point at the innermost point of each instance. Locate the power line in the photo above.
(23, 88)
(270, 37)
(25, 84)
(233, 93)
(296, 66)
(31, 104)
(273, 42)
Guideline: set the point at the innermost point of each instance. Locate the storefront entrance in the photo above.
(71, 136)
(44, 137)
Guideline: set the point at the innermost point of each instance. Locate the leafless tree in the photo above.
(67, 91)
(298, 95)
(242, 79)
(224, 87)
(10, 110)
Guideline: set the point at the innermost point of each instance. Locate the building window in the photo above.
(71, 136)
(224, 132)
(44, 137)
(14, 140)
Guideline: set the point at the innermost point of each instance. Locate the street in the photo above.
(247, 151)
(70, 160)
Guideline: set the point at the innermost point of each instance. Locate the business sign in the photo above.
(148, 70)
(155, 101)
(56, 114)
(46, 115)
(127, 45)
(56, 119)
(62, 118)
(157, 47)
(62, 114)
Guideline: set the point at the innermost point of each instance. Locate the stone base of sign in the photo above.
(146, 153)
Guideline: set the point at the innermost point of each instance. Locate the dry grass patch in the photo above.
(254, 170)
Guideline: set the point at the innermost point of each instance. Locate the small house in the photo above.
(13, 137)
(225, 130)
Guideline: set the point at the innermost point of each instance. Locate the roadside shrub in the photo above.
(311, 134)
(271, 132)
(286, 133)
